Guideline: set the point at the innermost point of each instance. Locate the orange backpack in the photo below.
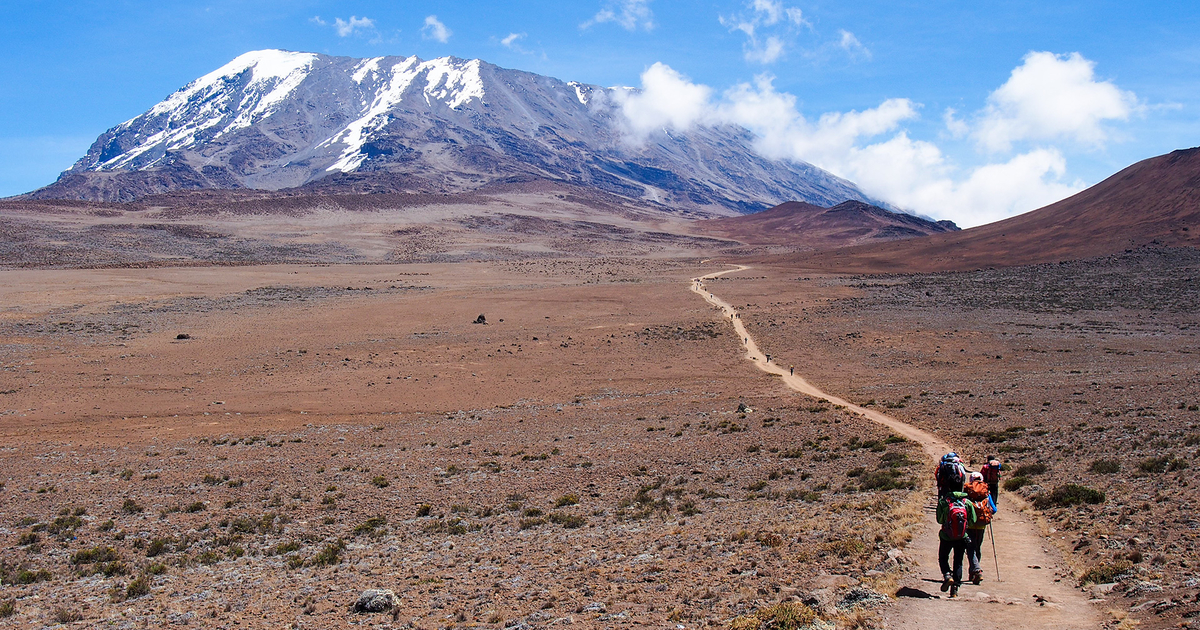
(976, 490)
(983, 513)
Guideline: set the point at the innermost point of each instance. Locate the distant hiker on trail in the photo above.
(950, 475)
(956, 515)
(985, 510)
(791, 370)
(991, 476)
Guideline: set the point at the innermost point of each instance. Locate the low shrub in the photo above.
(1016, 483)
(530, 523)
(1155, 464)
(1105, 466)
(568, 521)
(1105, 573)
(1068, 495)
(883, 480)
(31, 576)
(329, 555)
(95, 554)
(782, 616)
(567, 499)
(138, 587)
(1028, 470)
(370, 526)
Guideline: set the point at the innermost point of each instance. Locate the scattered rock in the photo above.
(183, 336)
(859, 597)
(1141, 588)
(480, 320)
(595, 607)
(916, 593)
(744, 408)
(375, 601)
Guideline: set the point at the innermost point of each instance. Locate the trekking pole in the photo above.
(995, 558)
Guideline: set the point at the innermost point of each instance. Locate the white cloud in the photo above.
(868, 147)
(629, 14)
(511, 40)
(767, 52)
(667, 100)
(764, 15)
(345, 28)
(851, 45)
(957, 127)
(435, 30)
(1052, 97)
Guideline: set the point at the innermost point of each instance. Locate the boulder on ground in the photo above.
(376, 601)
(480, 320)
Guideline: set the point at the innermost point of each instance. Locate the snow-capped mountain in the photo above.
(275, 119)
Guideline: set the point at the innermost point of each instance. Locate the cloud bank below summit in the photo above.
(1048, 98)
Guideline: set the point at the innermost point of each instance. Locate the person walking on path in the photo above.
(950, 475)
(956, 515)
(991, 476)
(985, 509)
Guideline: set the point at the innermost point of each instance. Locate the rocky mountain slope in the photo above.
(274, 119)
(1155, 202)
(801, 224)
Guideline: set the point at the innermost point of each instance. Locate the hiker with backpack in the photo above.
(980, 498)
(991, 476)
(956, 514)
(950, 475)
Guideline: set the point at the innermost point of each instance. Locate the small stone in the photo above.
(375, 601)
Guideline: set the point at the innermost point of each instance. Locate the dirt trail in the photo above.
(1031, 594)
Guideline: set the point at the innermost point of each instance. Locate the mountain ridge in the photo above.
(277, 120)
(808, 226)
(1154, 202)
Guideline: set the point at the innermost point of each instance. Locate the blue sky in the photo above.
(945, 107)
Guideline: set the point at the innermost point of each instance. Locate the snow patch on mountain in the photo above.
(447, 80)
(207, 102)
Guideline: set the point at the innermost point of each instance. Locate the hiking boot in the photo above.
(946, 583)
(977, 577)
(954, 590)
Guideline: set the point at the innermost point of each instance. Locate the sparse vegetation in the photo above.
(1106, 572)
(1068, 495)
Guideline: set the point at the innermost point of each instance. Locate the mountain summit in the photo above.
(274, 119)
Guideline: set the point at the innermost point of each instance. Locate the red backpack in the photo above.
(991, 472)
(955, 527)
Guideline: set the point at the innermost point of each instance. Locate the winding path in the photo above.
(1036, 591)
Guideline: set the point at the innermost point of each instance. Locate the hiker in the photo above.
(950, 475)
(791, 370)
(956, 515)
(985, 509)
(991, 475)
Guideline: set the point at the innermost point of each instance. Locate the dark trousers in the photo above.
(959, 547)
(974, 545)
